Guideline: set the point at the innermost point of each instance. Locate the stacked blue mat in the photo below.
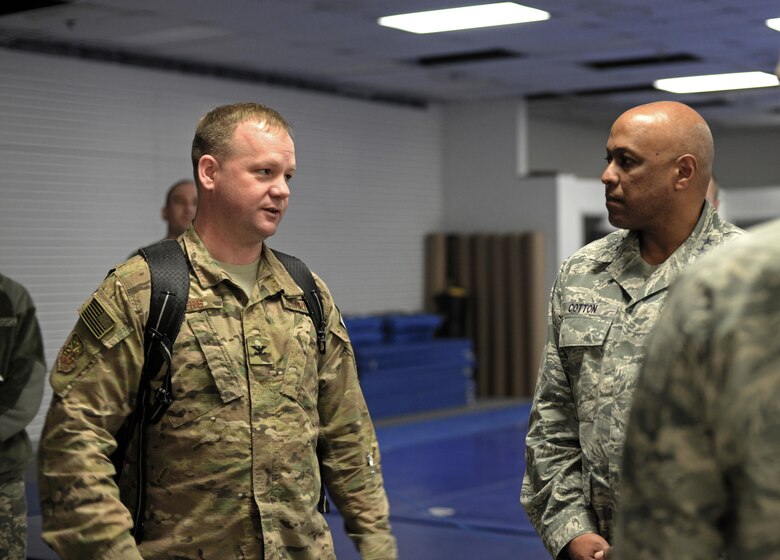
(405, 370)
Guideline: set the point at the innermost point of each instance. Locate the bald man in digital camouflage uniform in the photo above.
(605, 301)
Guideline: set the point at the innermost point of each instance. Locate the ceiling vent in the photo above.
(642, 62)
(618, 90)
(713, 103)
(11, 7)
(469, 57)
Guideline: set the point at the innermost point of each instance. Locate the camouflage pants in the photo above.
(13, 520)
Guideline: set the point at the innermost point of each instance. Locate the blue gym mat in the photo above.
(454, 487)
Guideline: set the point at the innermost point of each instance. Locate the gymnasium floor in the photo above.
(454, 487)
(453, 481)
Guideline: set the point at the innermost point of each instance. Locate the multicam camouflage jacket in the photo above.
(700, 473)
(232, 466)
(604, 302)
(22, 374)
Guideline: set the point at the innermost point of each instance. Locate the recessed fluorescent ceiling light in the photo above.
(773, 23)
(717, 82)
(467, 17)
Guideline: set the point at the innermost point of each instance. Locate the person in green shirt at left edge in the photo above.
(22, 373)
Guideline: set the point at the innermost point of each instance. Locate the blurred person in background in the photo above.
(181, 202)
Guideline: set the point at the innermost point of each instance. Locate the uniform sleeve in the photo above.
(673, 497)
(552, 492)
(351, 466)
(26, 370)
(94, 382)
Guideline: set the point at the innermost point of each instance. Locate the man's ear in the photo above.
(164, 213)
(687, 167)
(208, 166)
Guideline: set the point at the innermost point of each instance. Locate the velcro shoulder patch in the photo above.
(103, 320)
(97, 319)
(294, 304)
(100, 327)
(70, 354)
(205, 302)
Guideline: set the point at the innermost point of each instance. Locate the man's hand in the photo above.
(589, 546)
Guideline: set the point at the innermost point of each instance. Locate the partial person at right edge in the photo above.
(700, 470)
(604, 303)
(181, 203)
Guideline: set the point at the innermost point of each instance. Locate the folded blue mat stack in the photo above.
(405, 370)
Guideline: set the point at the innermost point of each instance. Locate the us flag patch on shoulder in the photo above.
(97, 318)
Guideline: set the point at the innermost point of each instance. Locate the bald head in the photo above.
(673, 129)
(659, 163)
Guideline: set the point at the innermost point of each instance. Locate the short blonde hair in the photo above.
(214, 133)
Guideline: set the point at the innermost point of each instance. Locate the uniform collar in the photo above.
(698, 242)
(271, 274)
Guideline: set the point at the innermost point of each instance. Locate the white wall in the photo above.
(576, 198)
(88, 149)
(483, 152)
(743, 158)
(750, 206)
(746, 158)
(563, 146)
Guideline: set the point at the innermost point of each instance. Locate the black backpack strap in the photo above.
(170, 285)
(311, 295)
(170, 277)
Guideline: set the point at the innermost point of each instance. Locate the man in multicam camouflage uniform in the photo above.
(700, 474)
(232, 467)
(22, 372)
(603, 304)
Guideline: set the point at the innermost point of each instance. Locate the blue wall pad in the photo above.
(415, 377)
(386, 407)
(392, 328)
(475, 422)
(414, 389)
(439, 351)
(365, 330)
(406, 381)
(411, 328)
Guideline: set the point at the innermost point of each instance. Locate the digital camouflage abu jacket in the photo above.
(604, 303)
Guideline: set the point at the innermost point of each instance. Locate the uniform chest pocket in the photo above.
(300, 360)
(581, 341)
(584, 330)
(205, 376)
